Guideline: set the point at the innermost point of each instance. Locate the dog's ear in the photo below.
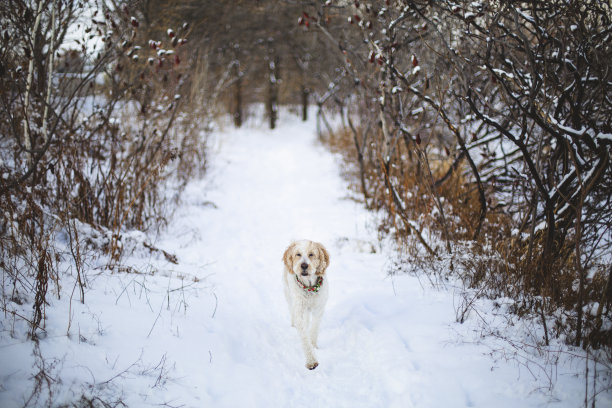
(288, 257)
(323, 257)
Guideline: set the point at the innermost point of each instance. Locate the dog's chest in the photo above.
(309, 299)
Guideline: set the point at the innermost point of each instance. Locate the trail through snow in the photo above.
(226, 340)
(382, 343)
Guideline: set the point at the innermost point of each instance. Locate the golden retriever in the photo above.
(306, 290)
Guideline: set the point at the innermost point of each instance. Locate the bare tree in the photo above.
(69, 155)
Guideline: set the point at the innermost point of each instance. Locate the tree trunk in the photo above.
(272, 103)
(238, 98)
(30, 78)
(305, 94)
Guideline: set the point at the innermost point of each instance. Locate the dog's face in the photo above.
(306, 259)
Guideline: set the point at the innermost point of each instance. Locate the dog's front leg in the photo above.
(302, 328)
(294, 315)
(317, 314)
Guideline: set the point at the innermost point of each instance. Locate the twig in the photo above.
(216, 303)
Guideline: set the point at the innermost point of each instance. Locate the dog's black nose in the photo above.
(304, 265)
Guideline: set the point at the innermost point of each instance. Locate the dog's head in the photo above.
(306, 258)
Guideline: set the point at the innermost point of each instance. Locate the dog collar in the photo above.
(315, 288)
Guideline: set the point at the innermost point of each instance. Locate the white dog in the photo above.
(306, 290)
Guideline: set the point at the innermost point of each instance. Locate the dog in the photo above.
(306, 290)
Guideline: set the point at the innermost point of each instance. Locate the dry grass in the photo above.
(499, 263)
(105, 172)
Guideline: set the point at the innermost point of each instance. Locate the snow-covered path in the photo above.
(382, 343)
(213, 331)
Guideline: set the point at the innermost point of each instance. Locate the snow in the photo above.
(416, 111)
(526, 16)
(567, 129)
(214, 329)
(604, 136)
(502, 73)
(561, 185)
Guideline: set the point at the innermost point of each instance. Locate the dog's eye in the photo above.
(310, 255)
(298, 255)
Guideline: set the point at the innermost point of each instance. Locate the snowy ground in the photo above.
(213, 331)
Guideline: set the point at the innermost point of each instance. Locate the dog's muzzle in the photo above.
(304, 267)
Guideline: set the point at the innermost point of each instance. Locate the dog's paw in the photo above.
(312, 366)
